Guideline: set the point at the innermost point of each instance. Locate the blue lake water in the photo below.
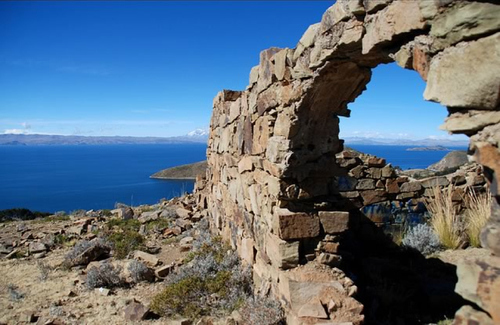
(399, 156)
(66, 178)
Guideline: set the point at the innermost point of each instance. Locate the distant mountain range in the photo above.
(196, 136)
(405, 142)
(41, 139)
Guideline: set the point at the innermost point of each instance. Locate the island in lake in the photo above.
(189, 171)
(431, 148)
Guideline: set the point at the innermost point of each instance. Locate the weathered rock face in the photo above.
(274, 182)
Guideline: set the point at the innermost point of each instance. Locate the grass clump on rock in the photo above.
(212, 283)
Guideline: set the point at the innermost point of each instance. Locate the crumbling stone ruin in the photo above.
(274, 187)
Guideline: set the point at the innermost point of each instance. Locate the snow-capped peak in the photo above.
(198, 133)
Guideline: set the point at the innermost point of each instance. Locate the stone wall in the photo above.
(273, 185)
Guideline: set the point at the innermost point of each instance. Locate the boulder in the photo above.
(479, 282)
(147, 258)
(149, 216)
(163, 271)
(135, 311)
(35, 248)
(125, 213)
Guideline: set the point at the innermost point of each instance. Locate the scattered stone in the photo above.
(39, 255)
(163, 271)
(313, 309)
(135, 311)
(149, 259)
(183, 213)
(329, 259)
(103, 291)
(124, 213)
(35, 248)
(29, 317)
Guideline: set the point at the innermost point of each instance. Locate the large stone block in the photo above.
(266, 68)
(465, 21)
(373, 196)
(472, 68)
(295, 225)
(468, 315)
(283, 254)
(479, 282)
(470, 122)
(399, 18)
(334, 221)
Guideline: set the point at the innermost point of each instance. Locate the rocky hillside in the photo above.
(452, 160)
(124, 266)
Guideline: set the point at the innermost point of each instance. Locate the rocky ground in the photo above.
(38, 286)
(46, 266)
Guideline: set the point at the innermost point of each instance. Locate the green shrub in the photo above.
(21, 214)
(212, 283)
(106, 213)
(130, 224)
(158, 224)
(125, 242)
(123, 236)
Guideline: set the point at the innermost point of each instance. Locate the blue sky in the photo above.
(153, 68)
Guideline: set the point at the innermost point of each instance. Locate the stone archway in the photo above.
(272, 185)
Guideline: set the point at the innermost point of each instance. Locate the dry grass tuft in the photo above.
(478, 211)
(444, 217)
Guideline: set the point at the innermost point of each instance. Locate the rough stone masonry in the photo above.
(272, 182)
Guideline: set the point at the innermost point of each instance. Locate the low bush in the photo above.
(123, 236)
(140, 272)
(21, 214)
(444, 217)
(478, 210)
(262, 311)
(212, 283)
(422, 238)
(124, 243)
(105, 275)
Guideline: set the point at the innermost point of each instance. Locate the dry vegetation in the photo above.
(452, 228)
(444, 219)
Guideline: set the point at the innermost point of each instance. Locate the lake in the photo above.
(66, 178)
